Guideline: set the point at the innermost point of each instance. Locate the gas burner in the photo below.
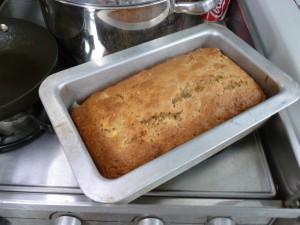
(15, 124)
(23, 128)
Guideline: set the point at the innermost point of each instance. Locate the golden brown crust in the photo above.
(160, 108)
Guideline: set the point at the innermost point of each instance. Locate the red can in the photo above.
(218, 13)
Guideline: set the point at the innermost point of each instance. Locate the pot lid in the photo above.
(195, 8)
(110, 3)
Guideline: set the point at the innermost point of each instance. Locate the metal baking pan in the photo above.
(59, 92)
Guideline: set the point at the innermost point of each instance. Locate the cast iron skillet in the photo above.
(28, 54)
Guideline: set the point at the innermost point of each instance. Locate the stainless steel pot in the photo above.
(89, 29)
(124, 28)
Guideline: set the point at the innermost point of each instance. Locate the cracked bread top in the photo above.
(160, 108)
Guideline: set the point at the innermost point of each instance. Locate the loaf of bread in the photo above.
(160, 108)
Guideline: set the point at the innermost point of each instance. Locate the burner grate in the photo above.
(23, 128)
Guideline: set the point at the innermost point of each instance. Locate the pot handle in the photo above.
(195, 8)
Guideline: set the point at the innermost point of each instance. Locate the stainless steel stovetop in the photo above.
(244, 182)
(241, 171)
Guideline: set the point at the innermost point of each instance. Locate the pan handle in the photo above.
(195, 8)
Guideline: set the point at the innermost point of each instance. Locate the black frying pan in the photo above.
(28, 54)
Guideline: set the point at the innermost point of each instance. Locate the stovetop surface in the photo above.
(240, 171)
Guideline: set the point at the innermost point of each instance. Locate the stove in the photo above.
(254, 181)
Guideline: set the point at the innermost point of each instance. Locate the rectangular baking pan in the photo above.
(59, 92)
